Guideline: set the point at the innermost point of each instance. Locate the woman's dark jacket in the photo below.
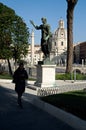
(19, 78)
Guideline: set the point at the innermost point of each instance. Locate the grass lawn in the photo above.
(5, 76)
(73, 102)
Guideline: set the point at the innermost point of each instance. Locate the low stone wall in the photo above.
(47, 91)
(60, 89)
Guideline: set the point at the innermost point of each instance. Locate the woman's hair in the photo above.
(21, 64)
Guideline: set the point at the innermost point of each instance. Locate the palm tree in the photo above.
(70, 9)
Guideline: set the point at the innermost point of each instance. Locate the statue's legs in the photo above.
(45, 50)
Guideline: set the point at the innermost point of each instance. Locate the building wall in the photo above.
(83, 52)
(80, 53)
(38, 55)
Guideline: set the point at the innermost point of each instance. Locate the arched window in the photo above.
(62, 43)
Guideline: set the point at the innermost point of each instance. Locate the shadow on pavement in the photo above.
(30, 118)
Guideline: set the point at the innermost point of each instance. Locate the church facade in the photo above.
(59, 43)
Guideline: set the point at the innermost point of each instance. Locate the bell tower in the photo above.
(61, 24)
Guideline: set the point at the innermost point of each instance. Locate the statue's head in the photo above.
(44, 20)
(72, 1)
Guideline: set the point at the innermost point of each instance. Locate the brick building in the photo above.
(80, 52)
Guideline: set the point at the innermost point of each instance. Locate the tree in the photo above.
(20, 36)
(70, 9)
(14, 35)
(6, 18)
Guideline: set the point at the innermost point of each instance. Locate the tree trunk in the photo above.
(10, 70)
(70, 10)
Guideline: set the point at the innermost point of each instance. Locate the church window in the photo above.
(55, 43)
(62, 43)
(62, 35)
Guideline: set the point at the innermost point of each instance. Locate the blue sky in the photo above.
(53, 10)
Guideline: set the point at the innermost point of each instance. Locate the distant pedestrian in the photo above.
(19, 78)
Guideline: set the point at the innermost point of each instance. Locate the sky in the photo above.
(53, 10)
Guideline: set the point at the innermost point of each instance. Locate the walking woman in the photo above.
(19, 77)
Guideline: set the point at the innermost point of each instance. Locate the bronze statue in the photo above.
(45, 36)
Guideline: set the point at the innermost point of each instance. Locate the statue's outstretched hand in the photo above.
(32, 23)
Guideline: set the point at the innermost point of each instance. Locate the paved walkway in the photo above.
(28, 118)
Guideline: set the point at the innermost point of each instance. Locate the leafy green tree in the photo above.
(6, 18)
(14, 35)
(20, 36)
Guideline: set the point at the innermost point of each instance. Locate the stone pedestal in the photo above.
(45, 76)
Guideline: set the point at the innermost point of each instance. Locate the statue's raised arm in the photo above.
(33, 23)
